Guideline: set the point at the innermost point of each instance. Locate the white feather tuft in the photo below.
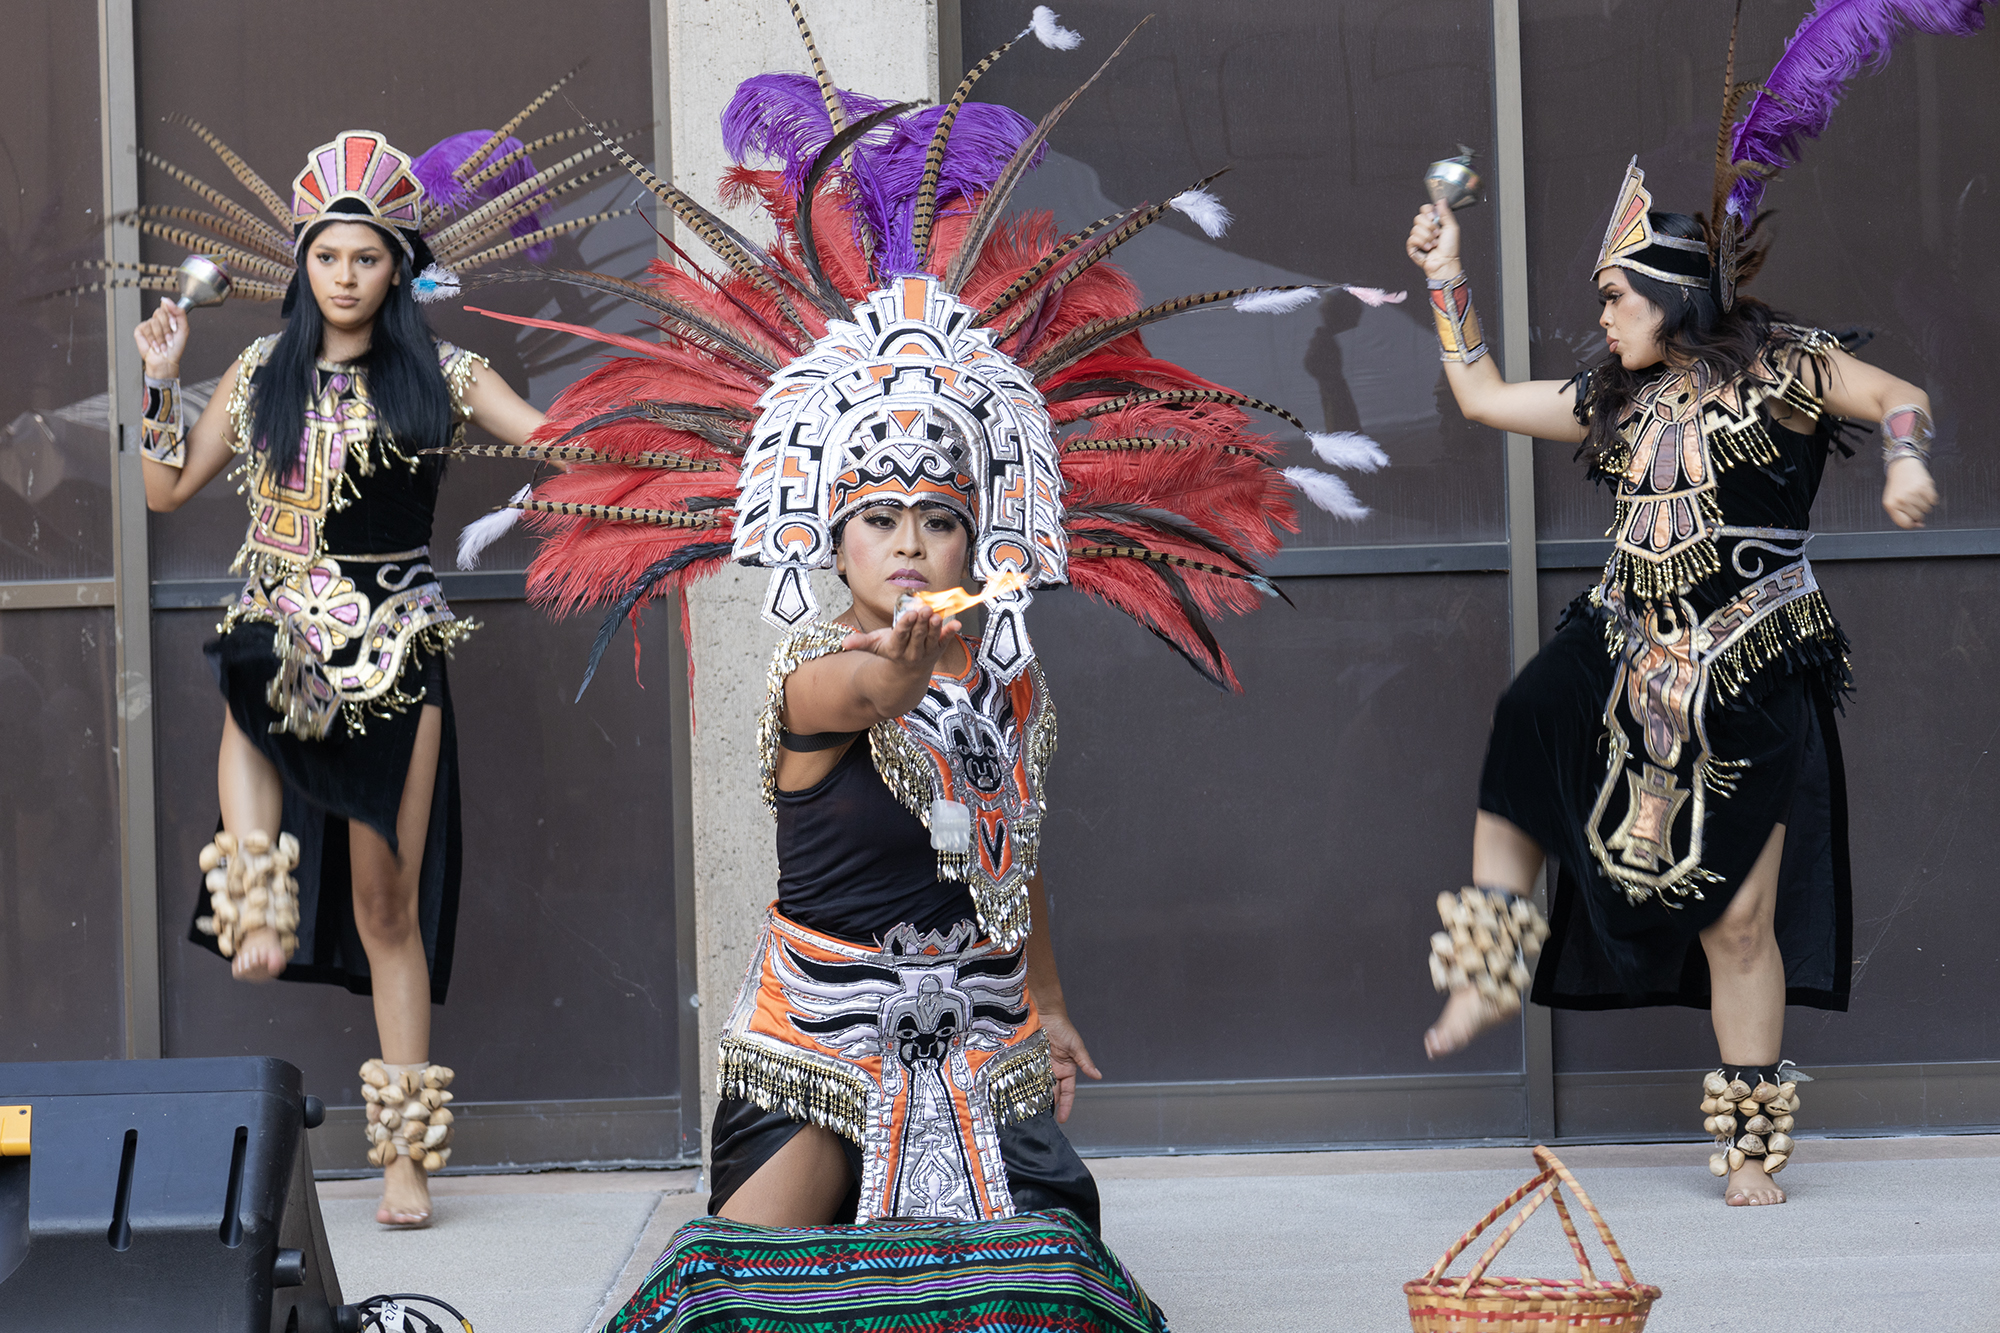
(1276, 300)
(476, 536)
(435, 283)
(1048, 32)
(1375, 295)
(1327, 491)
(1348, 449)
(1206, 210)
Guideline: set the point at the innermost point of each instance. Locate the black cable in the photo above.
(364, 1315)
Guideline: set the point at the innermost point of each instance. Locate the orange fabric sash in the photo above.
(917, 1051)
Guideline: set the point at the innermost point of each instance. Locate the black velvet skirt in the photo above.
(1544, 765)
(344, 778)
(1043, 1170)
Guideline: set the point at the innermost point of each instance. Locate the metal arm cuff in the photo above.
(161, 435)
(1459, 338)
(1906, 433)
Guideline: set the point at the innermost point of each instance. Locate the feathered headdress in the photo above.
(467, 201)
(899, 338)
(1837, 40)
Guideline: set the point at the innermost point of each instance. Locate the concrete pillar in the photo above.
(886, 48)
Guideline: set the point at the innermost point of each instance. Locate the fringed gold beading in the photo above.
(802, 645)
(1804, 622)
(1745, 445)
(1022, 1082)
(1660, 580)
(793, 1083)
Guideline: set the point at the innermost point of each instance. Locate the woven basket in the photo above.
(1476, 1303)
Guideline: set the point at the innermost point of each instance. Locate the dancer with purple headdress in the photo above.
(1674, 747)
(337, 859)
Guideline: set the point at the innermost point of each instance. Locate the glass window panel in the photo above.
(1242, 868)
(416, 98)
(1922, 786)
(564, 982)
(60, 896)
(55, 454)
(1326, 116)
(1881, 227)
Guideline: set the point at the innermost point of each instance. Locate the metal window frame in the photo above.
(131, 567)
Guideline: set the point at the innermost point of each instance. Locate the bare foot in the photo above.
(406, 1196)
(1749, 1187)
(259, 956)
(1466, 1014)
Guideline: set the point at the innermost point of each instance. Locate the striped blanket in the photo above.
(1031, 1273)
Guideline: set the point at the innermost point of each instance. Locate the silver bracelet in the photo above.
(162, 437)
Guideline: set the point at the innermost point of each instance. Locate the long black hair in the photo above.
(1694, 328)
(400, 367)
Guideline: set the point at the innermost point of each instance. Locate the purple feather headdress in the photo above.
(784, 116)
(1839, 39)
(436, 170)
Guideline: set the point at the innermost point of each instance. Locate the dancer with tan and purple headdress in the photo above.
(338, 855)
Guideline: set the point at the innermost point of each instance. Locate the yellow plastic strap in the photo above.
(16, 1126)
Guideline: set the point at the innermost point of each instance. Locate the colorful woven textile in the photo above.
(1032, 1273)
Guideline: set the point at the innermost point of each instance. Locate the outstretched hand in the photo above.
(1433, 243)
(1910, 494)
(1067, 1055)
(913, 642)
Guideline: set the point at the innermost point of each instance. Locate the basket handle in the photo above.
(1550, 1163)
(1546, 1184)
(1458, 1246)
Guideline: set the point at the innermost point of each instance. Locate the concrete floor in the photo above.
(1884, 1235)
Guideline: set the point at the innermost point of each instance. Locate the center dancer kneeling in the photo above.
(911, 393)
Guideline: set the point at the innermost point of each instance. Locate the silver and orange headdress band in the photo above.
(908, 404)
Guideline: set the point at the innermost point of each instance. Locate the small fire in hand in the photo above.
(951, 601)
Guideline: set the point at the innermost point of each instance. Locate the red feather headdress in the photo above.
(1139, 483)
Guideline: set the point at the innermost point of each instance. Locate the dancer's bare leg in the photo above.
(1503, 857)
(1746, 976)
(252, 796)
(801, 1186)
(385, 914)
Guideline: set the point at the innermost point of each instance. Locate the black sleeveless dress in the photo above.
(1687, 704)
(336, 643)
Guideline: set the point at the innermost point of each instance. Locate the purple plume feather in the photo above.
(783, 116)
(434, 168)
(1839, 39)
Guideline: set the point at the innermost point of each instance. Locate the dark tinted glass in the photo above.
(1326, 116)
(564, 981)
(1882, 227)
(55, 515)
(1241, 884)
(59, 888)
(417, 98)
